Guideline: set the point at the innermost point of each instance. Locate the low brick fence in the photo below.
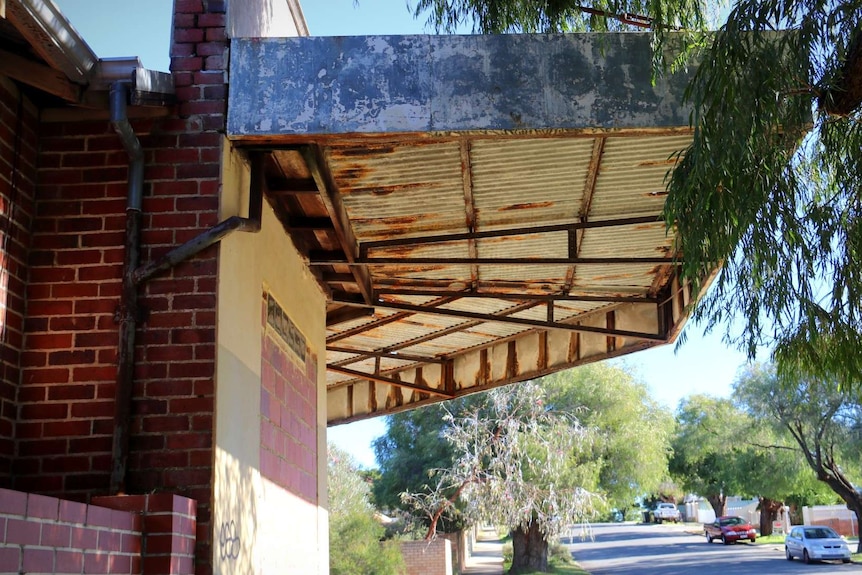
(129, 535)
(428, 557)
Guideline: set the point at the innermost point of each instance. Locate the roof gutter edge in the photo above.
(80, 60)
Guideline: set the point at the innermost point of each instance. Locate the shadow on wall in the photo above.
(237, 482)
(236, 515)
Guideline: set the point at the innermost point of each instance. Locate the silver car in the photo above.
(815, 543)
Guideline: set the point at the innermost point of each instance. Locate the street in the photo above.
(623, 548)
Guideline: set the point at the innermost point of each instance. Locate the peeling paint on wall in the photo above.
(386, 84)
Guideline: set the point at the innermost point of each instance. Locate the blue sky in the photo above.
(142, 28)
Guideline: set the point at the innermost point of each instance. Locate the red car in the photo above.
(729, 529)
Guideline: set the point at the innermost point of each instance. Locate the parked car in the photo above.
(666, 512)
(730, 529)
(815, 543)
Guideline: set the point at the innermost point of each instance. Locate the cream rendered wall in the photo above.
(260, 527)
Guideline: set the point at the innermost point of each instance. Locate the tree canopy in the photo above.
(408, 453)
(824, 422)
(704, 459)
(771, 186)
(354, 533)
(536, 457)
(632, 431)
(516, 464)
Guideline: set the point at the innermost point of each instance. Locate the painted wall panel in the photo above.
(269, 435)
(390, 84)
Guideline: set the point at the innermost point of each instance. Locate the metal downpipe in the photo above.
(201, 242)
(135, 275)
(128, 310)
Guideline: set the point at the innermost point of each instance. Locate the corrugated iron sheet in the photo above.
(418, 189)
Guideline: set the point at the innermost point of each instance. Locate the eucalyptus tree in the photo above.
(824, 421)
(517, 464)
(704, 459)
(409, 452)
(632, 431)
(770, 465)
(354, 533)
(771, 185)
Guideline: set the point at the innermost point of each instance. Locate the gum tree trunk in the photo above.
(718, 502)
(769, 509)
(530, 550)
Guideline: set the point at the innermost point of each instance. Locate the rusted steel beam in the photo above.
(469, 207)
(377, 323)
(338, 214)
(333, 277)
(383, 379)
(576, 237)
(514, 320)
(310, 224)
(518, 296)
(443, 332)
(290, 186)
(347, 314)
(394, 261)
(385, 355)
(522, 231)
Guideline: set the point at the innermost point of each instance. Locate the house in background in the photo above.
(201, 270)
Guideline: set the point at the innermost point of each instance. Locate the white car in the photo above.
(815, 543)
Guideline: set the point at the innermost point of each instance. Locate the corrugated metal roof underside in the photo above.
(395, 192)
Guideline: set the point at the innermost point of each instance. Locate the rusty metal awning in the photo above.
(480, 210)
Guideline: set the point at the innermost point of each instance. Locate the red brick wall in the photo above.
(68, 363)
(427, 557)
(18, 125)
(41, 534)
(149, 534)
(288, 417)
(168, 530)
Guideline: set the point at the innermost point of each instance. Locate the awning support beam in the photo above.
(386, 380)
(511, 320)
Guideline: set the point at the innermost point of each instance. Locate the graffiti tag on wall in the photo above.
(229, 542)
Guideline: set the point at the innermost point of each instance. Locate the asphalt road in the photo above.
(625, 548)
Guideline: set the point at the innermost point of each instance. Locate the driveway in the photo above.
(626, 548)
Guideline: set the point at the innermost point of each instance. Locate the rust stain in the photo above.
(396, 392)
(483, 375)
(526, 206)
(643, 227)
(372, 396)
(390, 271)
(364, 150)
(390, 189)
(611, 323)
(512, 360)
(543, 350)
(574, 347)
(394, 220)
(666, 162)
(616, 277)
(419, 380)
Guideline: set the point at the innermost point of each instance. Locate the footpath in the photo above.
(487, 558)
